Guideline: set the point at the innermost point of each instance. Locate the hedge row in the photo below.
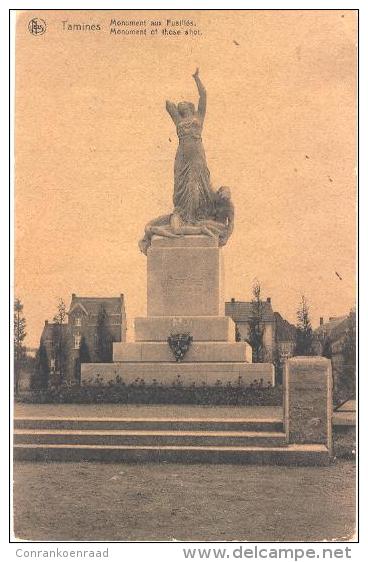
(140, 393)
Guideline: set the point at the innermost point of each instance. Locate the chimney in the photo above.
(321, 321)
(73, 295)
(46, 322)
(269, 299)
(232, 299)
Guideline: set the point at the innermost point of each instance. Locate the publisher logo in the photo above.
(36, 26)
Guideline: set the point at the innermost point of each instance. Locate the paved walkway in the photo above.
(149, 411)
(163, 411)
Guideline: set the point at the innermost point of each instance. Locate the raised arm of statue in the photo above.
(202, 94)
(172, 111)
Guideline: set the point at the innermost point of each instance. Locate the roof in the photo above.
(92, 305)
(242, 311)
(284, 330)
(335, 328)
(48, 332)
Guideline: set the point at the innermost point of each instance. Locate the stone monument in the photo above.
(186, 336)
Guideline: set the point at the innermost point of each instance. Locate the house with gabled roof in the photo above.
(83, 318)
(285, 338)
(242, 311)
(330, 340)
(94, 323)
(278, 334)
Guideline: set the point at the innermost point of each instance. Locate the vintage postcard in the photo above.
(185, 278)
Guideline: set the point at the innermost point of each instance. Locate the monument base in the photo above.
(201, 328)
(199, 352)
(184, 297)
(187, 374)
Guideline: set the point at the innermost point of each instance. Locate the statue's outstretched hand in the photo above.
(196, 74)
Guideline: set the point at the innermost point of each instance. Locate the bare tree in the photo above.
(19, 336)
(325, 344)
(61, 314)
(257, 324)
(304, 332)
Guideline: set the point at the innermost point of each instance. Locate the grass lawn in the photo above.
(162, 502)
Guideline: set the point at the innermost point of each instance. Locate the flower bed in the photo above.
(141, 393)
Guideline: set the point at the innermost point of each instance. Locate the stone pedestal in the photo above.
(184, 295)
(202, 328)
(308, 401)
(199, 352)
(184, 277)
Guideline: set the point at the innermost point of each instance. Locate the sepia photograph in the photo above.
(184, 312)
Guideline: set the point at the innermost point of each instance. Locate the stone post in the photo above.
(308, 401)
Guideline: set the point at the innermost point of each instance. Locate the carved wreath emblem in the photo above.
(179, 344)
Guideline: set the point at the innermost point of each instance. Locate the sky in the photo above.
(94, 152)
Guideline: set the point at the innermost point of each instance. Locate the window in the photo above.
(77, 341)
(78, 321)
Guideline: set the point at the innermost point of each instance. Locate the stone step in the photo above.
(187, 373)
(198, 352)
(144, 438)
(150, 423)
(284, 455)
(201, 328)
